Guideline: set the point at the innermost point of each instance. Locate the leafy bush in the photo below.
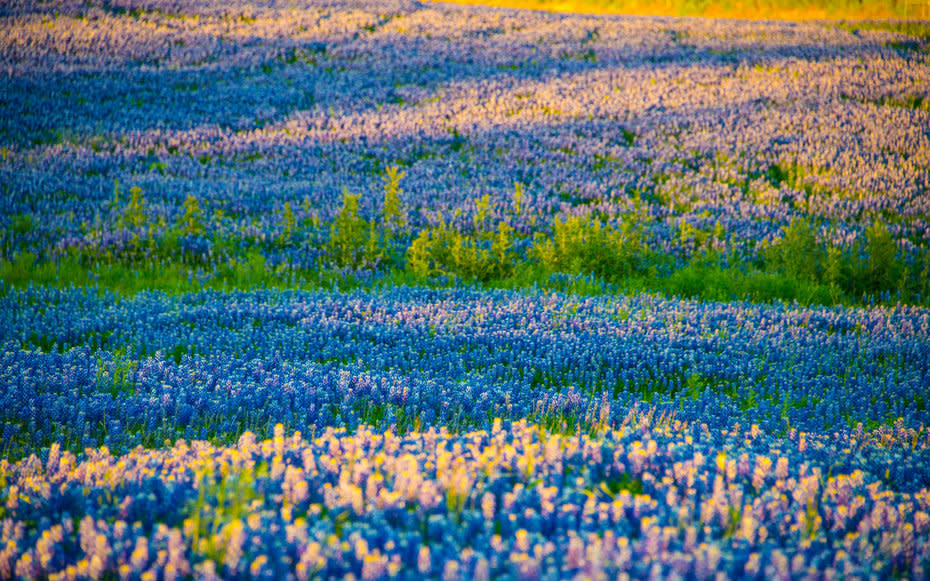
(393, 215)
(586, 245)
(478, 256)
(134, 215)
(288, 223)
(349, 234)
(881, 271)
(444, 250)
(799, 254)
(192, 219)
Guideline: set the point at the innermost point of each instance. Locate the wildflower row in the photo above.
(86, 370)
(187, 131)
(652, 498)
(402, 431)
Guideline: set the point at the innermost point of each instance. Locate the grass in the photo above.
(25, 270)
(745, 9)
(583, 255)
(699, 280)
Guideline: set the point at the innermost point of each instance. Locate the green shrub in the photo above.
(444, 250)
(192, 220)
(518, 198)
(349, 234)
(883, 270)
(288, 223)
(428, 252)
(501, 249)
(799, 254)
(588, 246)
(482, 209)
(22, 224)
(834, 275)
(393, 216)
(134, 215)
(385, 242)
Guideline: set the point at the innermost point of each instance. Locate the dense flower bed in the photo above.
(748, 124)
(460, 433)
(99, 370)
(753, 451)
(653, 498)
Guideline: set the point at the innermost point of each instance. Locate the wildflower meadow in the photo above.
(390, 289)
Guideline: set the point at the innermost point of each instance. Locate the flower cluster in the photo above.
(652, 498)
(460, 433)
(84, 370)
(744, 124)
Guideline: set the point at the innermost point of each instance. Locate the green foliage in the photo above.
(114, 204)
(385, 243)
(288, 222)
(629, 137)
(22, 224)
(192, 220)
(882, 270)
(481, 256)
(921, 287)
(392, 213)
(120, 278)
(482, 208)
(783, 175)
(833, 273)
(620, 483)
(470, 259)
(799, 254)
(444, 250)
(247, 272)
(586, 245)
(134, 214)
(688, 233)
(711, 281)
(518, 197)
(23, 269)
(221, 502)
(420, 259)
(117, 376)
(871, 268)
(349, 233)
(501, 248)
(584, 255)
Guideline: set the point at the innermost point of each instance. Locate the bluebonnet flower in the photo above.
(457, 433)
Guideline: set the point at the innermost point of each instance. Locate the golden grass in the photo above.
(743, 9)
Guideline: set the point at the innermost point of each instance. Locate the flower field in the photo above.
(388, 289)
